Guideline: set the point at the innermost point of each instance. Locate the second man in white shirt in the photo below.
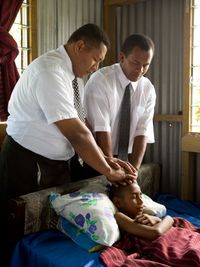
(103, 96)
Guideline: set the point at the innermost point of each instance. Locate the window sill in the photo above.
(191, 142)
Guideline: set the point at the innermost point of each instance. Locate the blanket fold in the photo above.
(180, 246)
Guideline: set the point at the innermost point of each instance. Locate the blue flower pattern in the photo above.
(79, 220)
(87, 200)
(86, 222)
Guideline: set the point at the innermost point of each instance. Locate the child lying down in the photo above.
(148, 240)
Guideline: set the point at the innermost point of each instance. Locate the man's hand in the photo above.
(116, 163)
(119, 176)
(127, 173)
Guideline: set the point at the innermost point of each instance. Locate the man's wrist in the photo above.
(137, 169)
(108, 171)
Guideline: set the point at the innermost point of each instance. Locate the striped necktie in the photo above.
(77, 101)
(78, 106)
(124, 125)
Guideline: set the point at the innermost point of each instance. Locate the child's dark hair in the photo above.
(113, 191)
(118, 191)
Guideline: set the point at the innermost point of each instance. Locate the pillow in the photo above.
(91, 212)
(103, 185)
(100, 185)
(78, 235)
(153, 208)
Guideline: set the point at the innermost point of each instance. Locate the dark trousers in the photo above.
(23, 171)
(80, 171)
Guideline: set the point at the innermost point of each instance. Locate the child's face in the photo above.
(131, 203)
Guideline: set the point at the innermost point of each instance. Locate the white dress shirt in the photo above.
(42, 96)
(103, 96)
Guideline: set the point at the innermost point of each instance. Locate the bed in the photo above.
(41, 244)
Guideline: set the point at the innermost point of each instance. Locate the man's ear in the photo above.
(121, 57)
(79, 46)
(117, 202)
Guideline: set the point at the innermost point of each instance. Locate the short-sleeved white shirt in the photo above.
(42, 96)
(102, 99)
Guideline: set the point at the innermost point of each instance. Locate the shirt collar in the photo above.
(123, 79)
(67, 61)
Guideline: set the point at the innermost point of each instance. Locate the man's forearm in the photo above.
(104, 141)
(138, 151)
(84, 144)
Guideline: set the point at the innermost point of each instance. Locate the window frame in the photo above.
(33, 41)
(195, 67)
(190, 140)
(190, 143)
(30, 26)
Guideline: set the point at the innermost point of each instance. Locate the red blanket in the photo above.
(180, 246)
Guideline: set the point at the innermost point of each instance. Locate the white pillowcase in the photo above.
(150, 206)
(153, 208)
(92, 212)
(100, 185)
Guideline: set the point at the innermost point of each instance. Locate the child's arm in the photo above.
(146, 231)
(147, 219)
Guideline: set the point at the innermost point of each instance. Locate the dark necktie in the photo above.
(124, 125)
(78, 106)
(77, 101)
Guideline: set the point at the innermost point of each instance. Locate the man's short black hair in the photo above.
(91, 34)
(142, 41)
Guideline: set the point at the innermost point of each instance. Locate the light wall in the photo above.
(57, 19)
(163, 21)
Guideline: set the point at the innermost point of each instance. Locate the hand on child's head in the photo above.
(124, 182)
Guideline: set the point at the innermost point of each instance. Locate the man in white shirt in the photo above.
(103, 97)
(44, 129)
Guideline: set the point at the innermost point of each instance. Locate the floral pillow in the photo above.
(78, 235)
(91, 212)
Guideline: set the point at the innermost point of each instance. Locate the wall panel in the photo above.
(57, 19)
(163, 22)
(47, 25)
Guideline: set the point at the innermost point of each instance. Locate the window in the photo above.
(195, 68)
(22, 31)
(191, 97)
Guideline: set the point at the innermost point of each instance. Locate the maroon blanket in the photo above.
(180, 246)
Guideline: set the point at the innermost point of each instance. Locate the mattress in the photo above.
(51, 248)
